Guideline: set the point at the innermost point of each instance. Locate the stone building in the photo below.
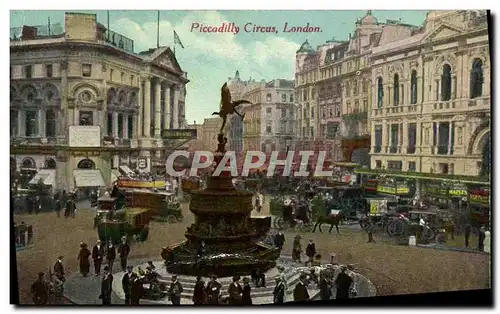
(211, 129)
(87, 76)
(269, 123)
(430, 109)
(234, 124)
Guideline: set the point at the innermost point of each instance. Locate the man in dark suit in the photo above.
(279, 292)
(106, 287)
(235, 291)
(213, 290)
(325, 287)
(97, 256)
(310, 252)
(300, 292)
(343, 284)
(136, 289)
(59, 269)
(126, 284)
(110, 255)
(40, 290)
(175, 291)
(199, 294)
(279, 240)
(123, 251)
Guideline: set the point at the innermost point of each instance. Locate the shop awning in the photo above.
(88, 178)
(47, 175)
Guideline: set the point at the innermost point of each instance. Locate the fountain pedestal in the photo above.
(224, 239)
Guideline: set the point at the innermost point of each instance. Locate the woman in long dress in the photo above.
(83, 258)
(487, 241)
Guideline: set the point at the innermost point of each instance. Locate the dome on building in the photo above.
(306, 47)
(368, 19)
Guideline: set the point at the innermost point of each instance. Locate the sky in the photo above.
(210, 58)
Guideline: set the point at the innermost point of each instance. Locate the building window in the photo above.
(365, 86)
(283, 112)
(304, 131)
(13, 122)
(347, 89)
(356, 106)
(412, 138)
(86, 118)
(396, 89)
(283, 97)
(380, 92)
(312, 131)
(378, 139)
(31, 123)
(269, 110)
(130, 126)
(50, 123)
(291, 97)
(49, 163)
(313, 94)
(378, 164)
(304, 116)
(413, 83)
(48, 70)
(268, 97)
(28, 71)
(269, 129)
(110, 124)
(365, 105)
(394, 138)
(132, 80)
(355, 88)
(446, 83)
(395, 165)
(412, 166)
(476, 79)
(86, 70)
(120, 125)
(312, 113)
(86, 164)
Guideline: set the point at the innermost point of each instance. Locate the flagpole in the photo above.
(158, 31)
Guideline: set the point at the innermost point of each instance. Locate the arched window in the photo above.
(486, 158)
(86, 164)
(446, 83)
(476, 79)
(380, 92)
(28, 163)
(396, 89)
(413, 87)
(50, 163)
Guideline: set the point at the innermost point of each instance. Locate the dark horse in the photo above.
(332, 220)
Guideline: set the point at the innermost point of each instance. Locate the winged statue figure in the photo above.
(227, 106)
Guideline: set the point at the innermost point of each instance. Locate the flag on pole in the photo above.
(177, 40)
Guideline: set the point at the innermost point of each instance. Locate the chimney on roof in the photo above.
(28, 32)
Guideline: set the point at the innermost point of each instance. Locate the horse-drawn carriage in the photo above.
(346, 199)
(170, 209)
(128, 222)
(425, 225)
(291, 212)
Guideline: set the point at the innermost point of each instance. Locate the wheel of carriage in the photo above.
(279, 223)
(396, 228)
(171, 219)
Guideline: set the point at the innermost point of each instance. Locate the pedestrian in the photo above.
(22, 233)
(83, 258)
(213, 290)
(487, 241)
(310, 252)
(279, 292)
(175, 291)
(482, 236)
(38, 205)
(73, 206)
(67, 203)
(58, 288)
(127, 284)
(40, 290)
(106, 287)
(246, 296)
(325, 287)
(59, 269)
(123, 251)
(110, 255)
(467, 234)
(283, 279)
(300, 292)
(297, 249)
(199, 293)
(343, 283)
(235, 291)
(136, 290)
(57, 205)
(279, 240)
(97, 256)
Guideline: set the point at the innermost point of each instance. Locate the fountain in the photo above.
(223, 240)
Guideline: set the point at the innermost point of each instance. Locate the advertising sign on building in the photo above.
(84, 136)
(183, 134)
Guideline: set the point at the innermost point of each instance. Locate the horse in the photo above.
(332, 220)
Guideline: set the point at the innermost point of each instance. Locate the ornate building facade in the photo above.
(430, 109)
(269, 123)
(89, 76)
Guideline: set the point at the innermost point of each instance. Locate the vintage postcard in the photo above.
(250, 157)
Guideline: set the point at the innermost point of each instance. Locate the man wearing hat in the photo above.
(297, 249)
(40, 290)
(343, 283)
(246, 295)
(310, 252)
(213, 290)
(279, 291)
(235, 291)
(199, 293)
(300, 292)
(175, 291)
(83, 258)
(106, 287)
(123, 251)
(126, 284)
(59, 269)
(97, 256)
(136, 289)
